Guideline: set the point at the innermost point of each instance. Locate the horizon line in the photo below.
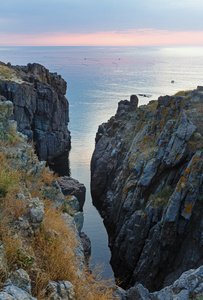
(129, 38)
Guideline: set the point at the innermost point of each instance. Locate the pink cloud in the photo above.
(139, 37)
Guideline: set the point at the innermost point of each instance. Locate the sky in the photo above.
(101, 22)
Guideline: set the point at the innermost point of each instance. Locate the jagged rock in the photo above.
(3, 262)
(138, 293)
(188, 286)
(119, 293)
(18, 287)
(61, 290)
(79, 250)
(72, 205)
(11, 292)
(79, 220)
(40, 108)
(54, 193)
(5, 296)
(146, 182)
(70, 186)
(126, 106)
(75, 221)
(86, 245)
(36, 212)
(20, 279)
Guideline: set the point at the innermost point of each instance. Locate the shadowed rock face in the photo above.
(40, 107)
(146, 181)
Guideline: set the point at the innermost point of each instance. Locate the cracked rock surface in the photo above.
(146, 181)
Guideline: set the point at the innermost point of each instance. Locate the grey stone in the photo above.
(126, 106)
(20, 279)
(70, 186)
(5, 296)
(36, 212)
(17, 286)
(177, 146)
(189, 283)
(79, 220)
(139, 292)
(119, 293)
(86, 242)
(16, 293)
(61, 290)
(72, 205)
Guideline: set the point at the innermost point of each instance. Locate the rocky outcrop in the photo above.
(62, 290)
(146, 180)
(188, 286)
(18, 286)
(40, 107)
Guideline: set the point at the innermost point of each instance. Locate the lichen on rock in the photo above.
(146, 182)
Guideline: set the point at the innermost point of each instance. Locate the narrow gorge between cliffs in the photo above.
(97, 79)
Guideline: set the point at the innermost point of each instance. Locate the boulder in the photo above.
(86, 245)
(126, 106)
(18, 287)
(61, 290)
(70, 186)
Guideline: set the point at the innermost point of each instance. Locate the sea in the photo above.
(97, 79)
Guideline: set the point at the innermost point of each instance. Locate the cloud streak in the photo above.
(139, 37)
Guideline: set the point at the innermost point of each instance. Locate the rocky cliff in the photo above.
(146, 180)
(40, 107)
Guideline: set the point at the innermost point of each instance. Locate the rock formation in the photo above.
(40, 107)
(188, 286)
(146, 181)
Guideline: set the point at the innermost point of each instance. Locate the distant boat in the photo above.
(172, 81)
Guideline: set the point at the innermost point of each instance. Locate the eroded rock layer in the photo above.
(40, 106)
(146, 180)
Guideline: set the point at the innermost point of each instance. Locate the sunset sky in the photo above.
(106, 22)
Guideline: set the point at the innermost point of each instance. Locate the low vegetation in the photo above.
(7, 73)
(49, 254)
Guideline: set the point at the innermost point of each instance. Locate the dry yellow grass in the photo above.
(53, 246)
(7, 73)
(182, 93)
(11, 245)
(48, 176)
(14, 206)
(9, 177)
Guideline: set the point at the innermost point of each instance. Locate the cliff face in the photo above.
(146, 180)
(40, 107)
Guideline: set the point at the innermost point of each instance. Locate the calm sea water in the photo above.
(99, 77)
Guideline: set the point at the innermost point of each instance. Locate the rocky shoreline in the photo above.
(146, 181)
